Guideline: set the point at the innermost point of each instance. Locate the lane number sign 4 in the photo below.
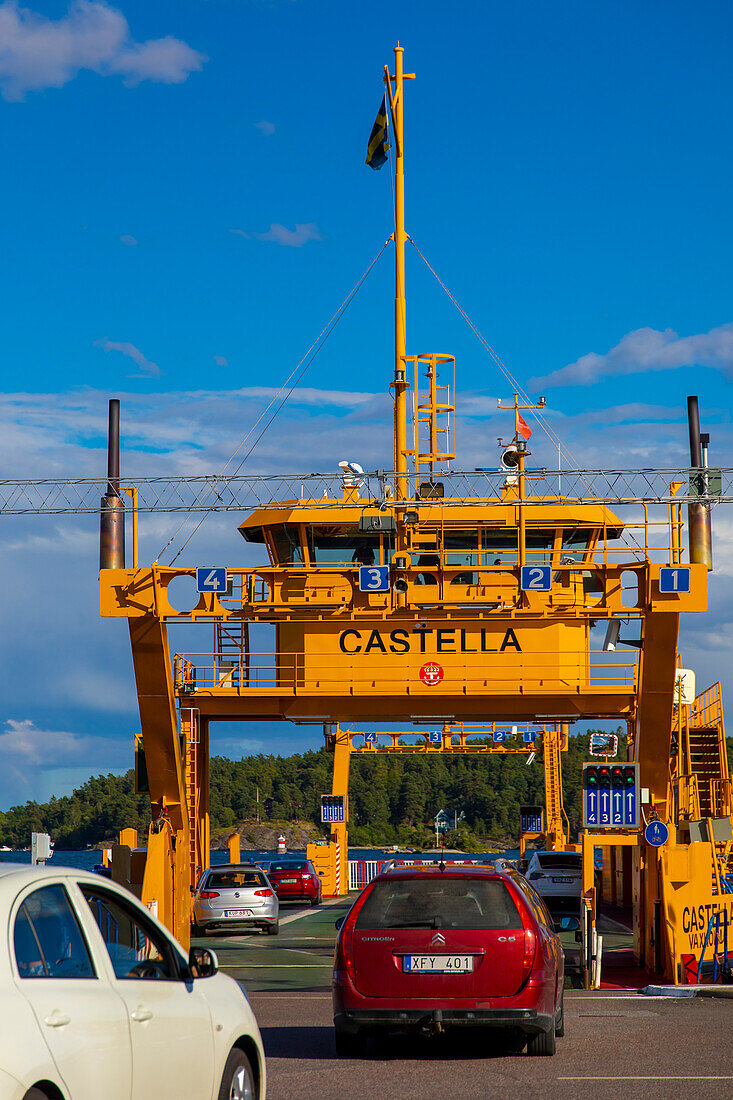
(211, 579)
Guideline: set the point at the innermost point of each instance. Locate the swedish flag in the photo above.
(378, 139)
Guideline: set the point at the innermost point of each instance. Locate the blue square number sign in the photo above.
(374, 578)
(211, 579)
(536, 578)
(674, 579)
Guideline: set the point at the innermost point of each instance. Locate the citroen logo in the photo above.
(236, 893)
(438, 940)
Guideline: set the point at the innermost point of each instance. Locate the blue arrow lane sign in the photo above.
(604, 797)
(630, 818)
(617, 807)
(592, 814)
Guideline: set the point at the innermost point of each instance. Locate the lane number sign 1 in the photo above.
(374, 578)
(675, 579)
(536, 578)
(211, 580)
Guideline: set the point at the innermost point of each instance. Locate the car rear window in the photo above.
(439, 903)
(289, 867)
(229, 880)
(560, 859)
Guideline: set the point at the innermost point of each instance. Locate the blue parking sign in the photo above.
(374, 578)
(673, 579)
(211, 579)
(536, 578)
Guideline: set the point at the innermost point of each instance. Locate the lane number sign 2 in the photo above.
(675, 579)
(211, 580)
(536, 578)
(374, 578)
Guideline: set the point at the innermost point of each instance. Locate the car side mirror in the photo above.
(202, 962)
(567, 924)
(340, 921)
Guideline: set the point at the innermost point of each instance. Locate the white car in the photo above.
(99, 1002)
(558, 879)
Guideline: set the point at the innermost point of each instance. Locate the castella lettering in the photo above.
(419, 639)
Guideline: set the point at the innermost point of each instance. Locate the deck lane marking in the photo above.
(278, 966)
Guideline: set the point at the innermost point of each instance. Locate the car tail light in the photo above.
(530, 946)
(345, 943)
(263, 893)
(530, 941)
(209, 894)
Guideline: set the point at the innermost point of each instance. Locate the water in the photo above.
(86, 860)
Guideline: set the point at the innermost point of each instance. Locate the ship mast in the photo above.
(400, 383)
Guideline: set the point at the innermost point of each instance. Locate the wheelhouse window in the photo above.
(539, 546)
(338, 545)
(575, 544)
(286, 544)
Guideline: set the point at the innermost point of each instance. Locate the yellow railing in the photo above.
(721, 797)
(318, 673)
(689, 798)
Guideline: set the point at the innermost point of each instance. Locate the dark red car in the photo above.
(442, 947)
(295, 880)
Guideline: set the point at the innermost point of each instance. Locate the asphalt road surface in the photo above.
(616, 1045)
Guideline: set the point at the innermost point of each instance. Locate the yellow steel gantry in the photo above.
(460, 633)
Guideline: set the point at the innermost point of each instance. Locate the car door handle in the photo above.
(57, 1019)
(140, 1015)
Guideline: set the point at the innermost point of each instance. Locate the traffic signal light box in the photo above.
(610, 796)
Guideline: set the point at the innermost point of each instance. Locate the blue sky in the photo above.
(185, 203)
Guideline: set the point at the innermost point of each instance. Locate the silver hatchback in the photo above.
(235, 896)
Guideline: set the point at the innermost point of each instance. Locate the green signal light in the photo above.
(630, 777)
(591, 778)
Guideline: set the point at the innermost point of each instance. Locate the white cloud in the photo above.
(241, 233)
(647, 349)
(31, 756)
(127, 239)
(221, 361)
(148, 368)
(267, 129)
(291, 238)
(37, 52)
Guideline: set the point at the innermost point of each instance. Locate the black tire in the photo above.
(349, 1045)
(560, 1020)
(238, 1082)
(273, 929)
(197, 930)
(542, 1044)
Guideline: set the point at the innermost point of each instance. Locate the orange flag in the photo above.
(524, 429)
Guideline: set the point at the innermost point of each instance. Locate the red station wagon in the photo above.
(442, 947)
(295, 879)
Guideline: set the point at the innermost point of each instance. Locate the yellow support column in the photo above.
(340, 832)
